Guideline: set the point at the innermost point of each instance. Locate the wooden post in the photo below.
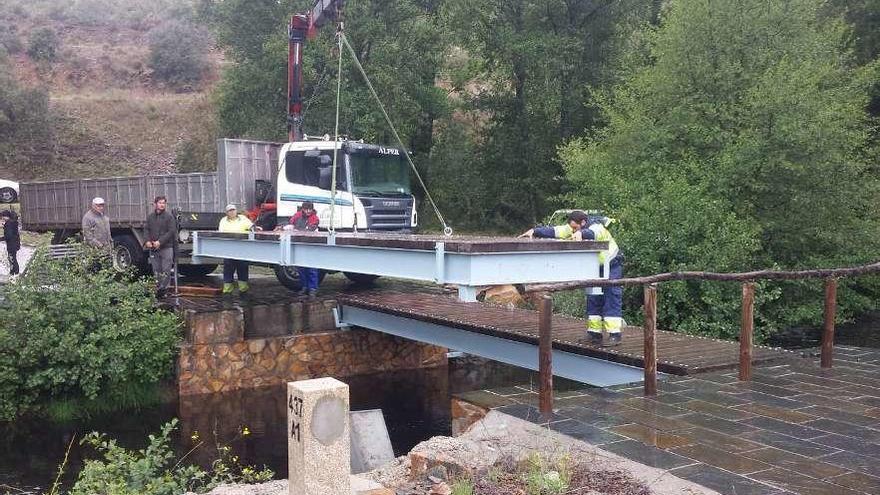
(828, 330)
(746, 331)
(650, 340)
(545, 354)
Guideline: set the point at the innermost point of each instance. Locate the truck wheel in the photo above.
(361, 278)
(196, 270)
(60, 236)
(289, 278)
(127, 253)
(8, 195)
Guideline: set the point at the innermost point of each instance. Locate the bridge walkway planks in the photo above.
(678, 354)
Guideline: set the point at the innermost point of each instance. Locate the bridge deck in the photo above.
(678, 354)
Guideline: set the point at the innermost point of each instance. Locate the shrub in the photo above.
(178, 54)
(43, 45)
(156, 470)
(72, 333)
(9, 40)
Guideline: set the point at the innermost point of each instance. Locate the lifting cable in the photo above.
(447, 230)
(336, 137)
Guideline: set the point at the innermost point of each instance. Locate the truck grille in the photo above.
(388, 213)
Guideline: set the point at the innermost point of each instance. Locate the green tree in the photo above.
(401, 44)
(178, 54)
(398, 43)
(26, 126)
(534, 64)
(43, 44)
(72, 334)
(736, 139)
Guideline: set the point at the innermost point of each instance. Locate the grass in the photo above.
(124, 397)
(545, 477)
(542, 473)
(462, 486)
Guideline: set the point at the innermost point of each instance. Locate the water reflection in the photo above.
(416, 405)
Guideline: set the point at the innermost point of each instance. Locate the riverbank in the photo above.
(491, 449)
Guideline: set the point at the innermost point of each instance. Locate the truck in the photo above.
(372, 182)
(197, 199)
(271, 180)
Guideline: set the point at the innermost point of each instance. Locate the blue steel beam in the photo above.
(468, 270)
(584, 369)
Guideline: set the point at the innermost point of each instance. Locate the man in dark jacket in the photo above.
(306, 219)
(160, 236)
(12, 238)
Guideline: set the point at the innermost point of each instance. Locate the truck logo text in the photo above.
(389, 151)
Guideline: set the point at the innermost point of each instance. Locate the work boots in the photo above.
(227, 288)
(614, 328)
(243, 287)
(615, 338)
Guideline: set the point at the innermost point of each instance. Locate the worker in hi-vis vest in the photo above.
(604, 310)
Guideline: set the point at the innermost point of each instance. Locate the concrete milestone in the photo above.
(319, 445)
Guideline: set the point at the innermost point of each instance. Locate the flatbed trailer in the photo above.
(466, 261)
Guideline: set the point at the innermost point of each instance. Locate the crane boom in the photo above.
(304, 26)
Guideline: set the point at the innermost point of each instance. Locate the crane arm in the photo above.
(304, 26)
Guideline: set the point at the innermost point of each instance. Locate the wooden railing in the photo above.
(746, 337)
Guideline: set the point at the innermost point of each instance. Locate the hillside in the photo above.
(108, 114)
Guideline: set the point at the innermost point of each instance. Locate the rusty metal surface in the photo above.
(452, 244)
(678, 354)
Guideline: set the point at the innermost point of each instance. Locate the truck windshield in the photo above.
(379, 174)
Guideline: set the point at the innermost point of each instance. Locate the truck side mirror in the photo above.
(325, 171)
(324, 179)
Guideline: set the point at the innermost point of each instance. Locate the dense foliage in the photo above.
(71, 332)
(157, 469)
(178, 54)
(43, 45)
(737, 138)
(25, 124)
(482, 92)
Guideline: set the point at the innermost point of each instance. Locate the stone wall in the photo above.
(218, 356)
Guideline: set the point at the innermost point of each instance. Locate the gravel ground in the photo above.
(499, 437)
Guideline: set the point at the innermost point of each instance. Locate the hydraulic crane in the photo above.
(301, 27)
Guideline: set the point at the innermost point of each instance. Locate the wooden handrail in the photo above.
(650, 329)
(872, 268)
(545, 355)
(746, 331)
(650, 351)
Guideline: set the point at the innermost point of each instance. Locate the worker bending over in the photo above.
(605, 305)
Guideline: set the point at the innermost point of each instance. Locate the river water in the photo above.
(416, 405)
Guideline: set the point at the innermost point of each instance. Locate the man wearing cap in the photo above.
(233, 222)
(96, 226)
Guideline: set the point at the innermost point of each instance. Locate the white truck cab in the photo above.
(372, 185)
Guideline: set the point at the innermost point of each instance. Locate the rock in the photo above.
(438, 474)
(465, 414)
(441, 489)
(504, 295)
(256, 346)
